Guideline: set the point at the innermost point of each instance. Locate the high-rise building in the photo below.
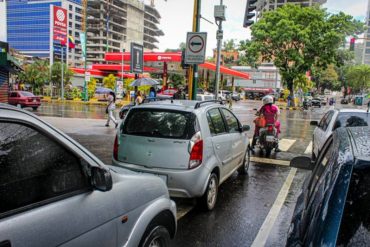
(114, 24)
(111, 26)
(267, 5)
(28, 26)
(366, 57)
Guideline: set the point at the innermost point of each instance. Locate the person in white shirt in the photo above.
(110, 109)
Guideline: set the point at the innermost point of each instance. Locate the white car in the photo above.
(334, 119)
(205, 97)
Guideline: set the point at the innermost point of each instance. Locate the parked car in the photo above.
(193, 146)
(316, 102)
(333, 208)
(334, 119)
(224, 95)
(235, 96)
(23, 99)
(166, 93)
(56, 193)
(205, 97)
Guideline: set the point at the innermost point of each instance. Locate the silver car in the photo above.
(53, 192)
(193, 146)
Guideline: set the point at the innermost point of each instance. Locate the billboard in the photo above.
(60, 24)
(137, 60)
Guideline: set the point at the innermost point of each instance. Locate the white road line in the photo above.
(285, 144)
(267, 225)
(182, 211)
(270, 161)
(309, 148)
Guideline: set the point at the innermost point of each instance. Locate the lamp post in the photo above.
(219, 17)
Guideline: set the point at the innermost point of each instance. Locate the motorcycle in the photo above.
(267, 139)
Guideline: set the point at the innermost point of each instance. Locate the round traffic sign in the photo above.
(196, 44)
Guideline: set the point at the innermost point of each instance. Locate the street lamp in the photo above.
(219, 17)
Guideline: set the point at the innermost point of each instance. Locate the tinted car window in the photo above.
(325, 121)
(352, 119)
(231, 121)
(27, 94)
(14, 95)
(355, 224)
(34, 168)
(215, 122)
(159, 123)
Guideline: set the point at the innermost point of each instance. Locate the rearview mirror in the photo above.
(101, 179)
(314, 123)
(246, 128)
(302, 162)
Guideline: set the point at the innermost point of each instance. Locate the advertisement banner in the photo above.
(137, 59)
(60, 22)
(83, 43)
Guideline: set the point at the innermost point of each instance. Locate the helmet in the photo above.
(267, 100)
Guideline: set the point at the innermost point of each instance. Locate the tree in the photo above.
(35, 74)
(177, 80)
(91, 87)
(56, 74)
(296, 38)
(358, 78)
(329, 78)
(229, 45)
(109, 81)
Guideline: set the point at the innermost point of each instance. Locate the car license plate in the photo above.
(270, 138)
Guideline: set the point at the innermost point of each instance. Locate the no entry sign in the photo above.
(195, 48)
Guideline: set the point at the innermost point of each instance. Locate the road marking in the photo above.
(183, 210)
(285, 144)
(270, 161)
(267, 225)
(309, 148)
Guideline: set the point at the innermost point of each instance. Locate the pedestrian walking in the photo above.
(152, 94)
(139, 98)
(110, 109)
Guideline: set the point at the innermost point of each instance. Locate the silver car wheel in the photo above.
(155, 243)
(247, 159)
(212, 192)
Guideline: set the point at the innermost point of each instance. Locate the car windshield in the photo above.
(27, 94)
(158, 123)
(352, 119)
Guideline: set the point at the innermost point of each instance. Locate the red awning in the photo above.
(225, 70)
(118, 67)
(148, 56)
(92, 72)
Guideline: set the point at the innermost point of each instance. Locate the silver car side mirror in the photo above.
(101, 179)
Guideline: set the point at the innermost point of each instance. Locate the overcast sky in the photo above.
(177, 19)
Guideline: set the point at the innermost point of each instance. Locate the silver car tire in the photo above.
(208, 200)
(158, 236)
(243, 170)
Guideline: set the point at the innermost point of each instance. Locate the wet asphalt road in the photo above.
(243, 202)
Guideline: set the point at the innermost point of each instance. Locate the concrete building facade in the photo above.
(366, 56)
(114, 24)
(267, 5)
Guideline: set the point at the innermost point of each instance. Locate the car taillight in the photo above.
(115, 148)
(270, 128)
(196, 151)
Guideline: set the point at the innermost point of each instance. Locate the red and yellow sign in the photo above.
(60, 22)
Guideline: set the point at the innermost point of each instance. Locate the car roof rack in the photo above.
(199, 104)
(149, 100)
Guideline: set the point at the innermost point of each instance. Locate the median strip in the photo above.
(270, 161)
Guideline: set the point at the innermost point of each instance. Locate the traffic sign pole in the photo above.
(195, 71)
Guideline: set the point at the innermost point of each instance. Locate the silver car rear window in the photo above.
(160, 123)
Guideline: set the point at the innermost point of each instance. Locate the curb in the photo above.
(80, 102)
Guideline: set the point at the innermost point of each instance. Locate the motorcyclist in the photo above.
(270, 112)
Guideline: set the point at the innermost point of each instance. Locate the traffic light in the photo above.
(183, 64)
(251, 6)
(352, 44)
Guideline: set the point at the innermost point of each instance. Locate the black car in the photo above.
(334, 206)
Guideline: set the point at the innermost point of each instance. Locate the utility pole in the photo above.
(83, 40)
(193, 70)
(62, 83)
(219, 18)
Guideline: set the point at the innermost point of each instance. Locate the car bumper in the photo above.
(180, 183)
(31, 104)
